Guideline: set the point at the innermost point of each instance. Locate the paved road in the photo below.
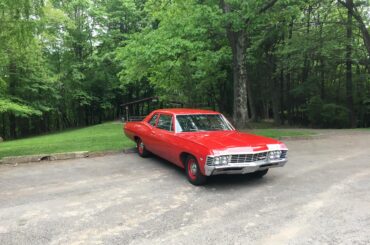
(322, 196)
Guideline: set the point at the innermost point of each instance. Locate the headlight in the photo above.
(216, 161)
(224, 160)
(274, 155)
(277, 154)
(221, 160)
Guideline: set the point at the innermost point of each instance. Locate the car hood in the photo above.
(232, 142)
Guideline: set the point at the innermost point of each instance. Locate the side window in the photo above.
(153, 120)
(165, 122)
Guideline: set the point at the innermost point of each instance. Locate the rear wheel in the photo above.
(143, 152)
(260, 174)
(193, 172)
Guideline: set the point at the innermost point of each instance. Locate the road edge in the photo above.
(61, 156)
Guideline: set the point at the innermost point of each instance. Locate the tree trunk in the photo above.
(306, 63)
(240, 112)
(237, 42)
(13, 83)
(251, 102)
(349, 84)
(275, 96)
(266, 109)
(289, 80)
(321, 61)
(281, 96)
(365, 33)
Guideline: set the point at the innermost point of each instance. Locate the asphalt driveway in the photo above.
(322, 196)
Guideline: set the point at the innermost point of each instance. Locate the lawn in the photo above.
(278, 133)
(102, 137)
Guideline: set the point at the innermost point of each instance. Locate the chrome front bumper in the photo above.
(243, 168)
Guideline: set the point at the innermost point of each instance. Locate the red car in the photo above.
(204, 143)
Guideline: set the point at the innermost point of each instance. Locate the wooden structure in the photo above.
(138, 109)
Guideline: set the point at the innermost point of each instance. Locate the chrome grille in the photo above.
(248, 157)
(244, 158)
(283, 154)
(209, 161)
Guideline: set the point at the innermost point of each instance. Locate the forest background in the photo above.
(72, 63)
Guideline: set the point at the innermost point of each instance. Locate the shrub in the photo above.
(334, 116)
(327, 115)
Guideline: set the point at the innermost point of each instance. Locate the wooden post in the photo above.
(127, 113)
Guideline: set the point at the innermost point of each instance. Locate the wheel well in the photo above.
(184, 156)
(136, 138)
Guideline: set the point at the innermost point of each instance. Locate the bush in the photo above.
(334, 116)
(327, 115)
(314, 110)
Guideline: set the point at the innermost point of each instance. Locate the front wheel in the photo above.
(193, 172)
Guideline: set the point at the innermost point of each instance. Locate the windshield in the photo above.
(201, 122)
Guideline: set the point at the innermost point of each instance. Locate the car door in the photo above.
(165, 137)
(150, 139)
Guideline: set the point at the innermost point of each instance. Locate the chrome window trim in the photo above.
(222, 116)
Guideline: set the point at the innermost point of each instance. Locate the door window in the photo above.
(153, 120)
(165, 122)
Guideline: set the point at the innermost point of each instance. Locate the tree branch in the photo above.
(267, 6)
(352, 9)
(343, 3)
(365, 32)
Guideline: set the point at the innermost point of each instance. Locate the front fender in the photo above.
(200, 152)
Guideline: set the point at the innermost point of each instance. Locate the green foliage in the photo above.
(57, 63)
(335, 116)
(179, 57)
(7, 106)
(314, 110)
(72, 63)
(327, 115)
(103, 137)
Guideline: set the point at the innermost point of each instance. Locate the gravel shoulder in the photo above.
(321, 196)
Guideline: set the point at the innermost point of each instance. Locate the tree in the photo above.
(72, 63)
(349, 86)
(182, 57)
(237, 30)
(23, 77)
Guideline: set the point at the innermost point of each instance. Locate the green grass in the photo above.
(102, 137)
(269, 129)
(277, 133)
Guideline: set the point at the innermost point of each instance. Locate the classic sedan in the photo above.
(204, 143)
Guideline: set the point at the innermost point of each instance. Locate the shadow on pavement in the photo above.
(223, 181)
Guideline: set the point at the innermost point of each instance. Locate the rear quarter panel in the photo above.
(132, 129)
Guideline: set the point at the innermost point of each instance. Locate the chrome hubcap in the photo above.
(193, 169)
(140, 147)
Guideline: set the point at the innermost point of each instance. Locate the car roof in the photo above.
(182, 111)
